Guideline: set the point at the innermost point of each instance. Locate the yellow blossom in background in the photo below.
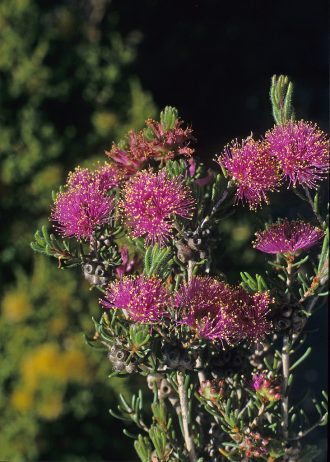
(48, 360)
(22, 399)
(51, 408)
(58, 324)
(16, 306)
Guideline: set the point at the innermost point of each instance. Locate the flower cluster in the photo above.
(217, 311)
(212, 390)
(201, 306)
(153, 143)
(251, 166)
(288, 237)
(302, 150)
(150, 203)
(297, 151)
(84, 205)
(143, 299)
(167, 144)
(265, 388)
(254, 445)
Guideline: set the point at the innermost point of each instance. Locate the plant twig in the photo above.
(285, 397)
(311, 203)
(201, 374)
(184, 412)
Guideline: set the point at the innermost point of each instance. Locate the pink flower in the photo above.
(125, 161)
(144, 299)
(84, 205)
(201, 306)
(287, 237)
(159, 145)
(79, 177)
(252, 311)
(169, 143)
(107, 176)
(152, 201)
(254, 170)
(302, 150)
(217, 311)
(265, 388)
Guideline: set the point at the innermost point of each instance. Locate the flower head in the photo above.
(144, 298)
(154, 143)
(150, 203)
(79, 177)
(266, 388)
(202, 306)
(169, 143)
(217, 311)
(287, 237)
(253, 168)
(252, 311)
(83, 206)
(302, 150)
(107, 176)
(125, 161)
(213, 390)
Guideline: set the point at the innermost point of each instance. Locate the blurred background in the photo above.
(74, 76)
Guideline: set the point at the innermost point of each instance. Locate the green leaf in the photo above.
(143, 448)
(158, 439)
(168, 117)
(158, 261)
(281, 99)
(301, 359)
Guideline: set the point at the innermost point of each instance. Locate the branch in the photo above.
(184, 412)
(311, 203)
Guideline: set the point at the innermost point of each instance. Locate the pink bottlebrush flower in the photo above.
(144, 299)
(125, 162)
(218, 311)
(252, 311)
(126, 264)
(79, 211)
(170, 143)
(302, 150)
(251, 166)
(287, 237)
(162, 145)
(202, 306)
(79, 177)
(107, 176)
(150, 203)
(139, 146)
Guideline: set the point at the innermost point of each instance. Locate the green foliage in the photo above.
(46, 371)
(143, 448)
(168, 117)
(157, 261)
(48, 244)
(175, 168)
(256, 284)
(281, 99)
(43, 91)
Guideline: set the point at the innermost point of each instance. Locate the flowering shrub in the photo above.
(218, 358)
